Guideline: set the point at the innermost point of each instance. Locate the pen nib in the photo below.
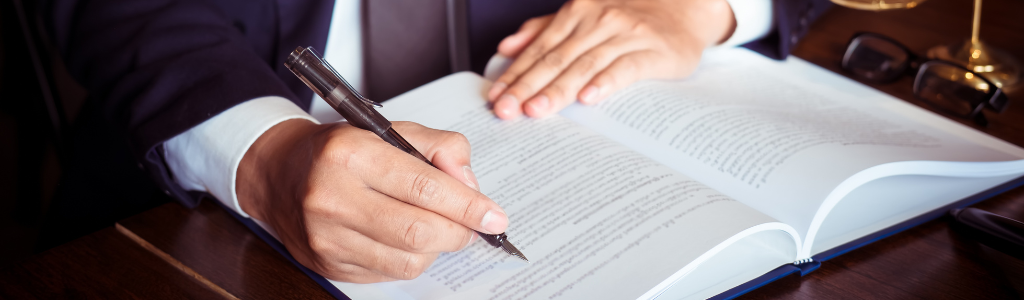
(501, 241)
(511, 250)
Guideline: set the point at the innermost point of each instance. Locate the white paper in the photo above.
(787, 138)
(596, 219)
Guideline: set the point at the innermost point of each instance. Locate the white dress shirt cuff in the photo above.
(753, 21)
(206, 157)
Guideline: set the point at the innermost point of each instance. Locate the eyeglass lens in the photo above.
(951, 88)
(875, 58)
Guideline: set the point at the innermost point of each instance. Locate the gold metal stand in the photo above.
(997, 66)
(878, 5)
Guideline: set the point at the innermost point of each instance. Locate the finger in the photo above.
(366, 253)
(591, 30)
(554, 63)
(402, 226)
(354, 274)
(448, 151)
(403, 177)
(320, 251)
(514, 44)
(563, 90)
(560, 27)
(624, 71)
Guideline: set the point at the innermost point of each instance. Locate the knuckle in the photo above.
(641, 28)
(576, 6)
(618, 17)
(316, 203)
(424, 189)
(337, 271)
(554, 59)
(417, 236)
(319, 202)
(413, 266)
(522, 89)
(320, 247)
(606, 80)
(611, 14)
(509, 77)
(455, 139)
(470, 211)
(403, 125)
(586, 63)
(338, 151)
(350, 273)
(534, 50)
(556, 91)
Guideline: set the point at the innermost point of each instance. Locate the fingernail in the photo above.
(506, 106)
(472, 238)
(496, 89)
(470, 178)
(540, 103)
(589, 95)
(494, 222)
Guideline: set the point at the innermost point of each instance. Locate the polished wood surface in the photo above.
(102, 265)
(933, 23)
(213, 243)
(928, 261)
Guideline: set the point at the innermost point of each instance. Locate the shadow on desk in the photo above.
(929, 261)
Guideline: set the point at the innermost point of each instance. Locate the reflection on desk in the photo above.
(928, 261)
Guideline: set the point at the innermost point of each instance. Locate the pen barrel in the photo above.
(320, 77)
(359, 114)
(392, 137)
(326, 82)
(493, 239)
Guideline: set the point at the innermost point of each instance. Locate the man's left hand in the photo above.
(592, 48)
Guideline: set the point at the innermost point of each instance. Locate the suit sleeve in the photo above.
(792, 18)
(156, 68)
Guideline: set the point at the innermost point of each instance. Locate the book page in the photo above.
(596, 219)
(782, 136)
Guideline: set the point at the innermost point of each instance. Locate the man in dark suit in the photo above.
(168, 77)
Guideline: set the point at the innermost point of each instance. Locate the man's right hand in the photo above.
(353, 208)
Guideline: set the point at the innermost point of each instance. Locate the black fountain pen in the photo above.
(358, 111)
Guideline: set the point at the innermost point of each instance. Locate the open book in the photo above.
(685, 189)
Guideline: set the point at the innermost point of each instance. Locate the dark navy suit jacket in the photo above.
(156, 68)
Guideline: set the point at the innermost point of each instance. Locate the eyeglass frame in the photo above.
(997, 99)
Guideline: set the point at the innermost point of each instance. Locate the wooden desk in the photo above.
(204, 253)
(929, 261)
(102, 265)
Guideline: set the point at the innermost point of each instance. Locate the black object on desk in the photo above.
(998, 232)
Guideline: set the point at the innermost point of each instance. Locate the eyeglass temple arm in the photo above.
(998, 102)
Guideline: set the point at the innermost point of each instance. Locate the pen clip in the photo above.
(343, 81)
(354, 91)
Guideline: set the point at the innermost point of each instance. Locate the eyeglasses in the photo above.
(946, 86)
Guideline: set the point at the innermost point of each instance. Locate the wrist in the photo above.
(268, 168)
(713, 20)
